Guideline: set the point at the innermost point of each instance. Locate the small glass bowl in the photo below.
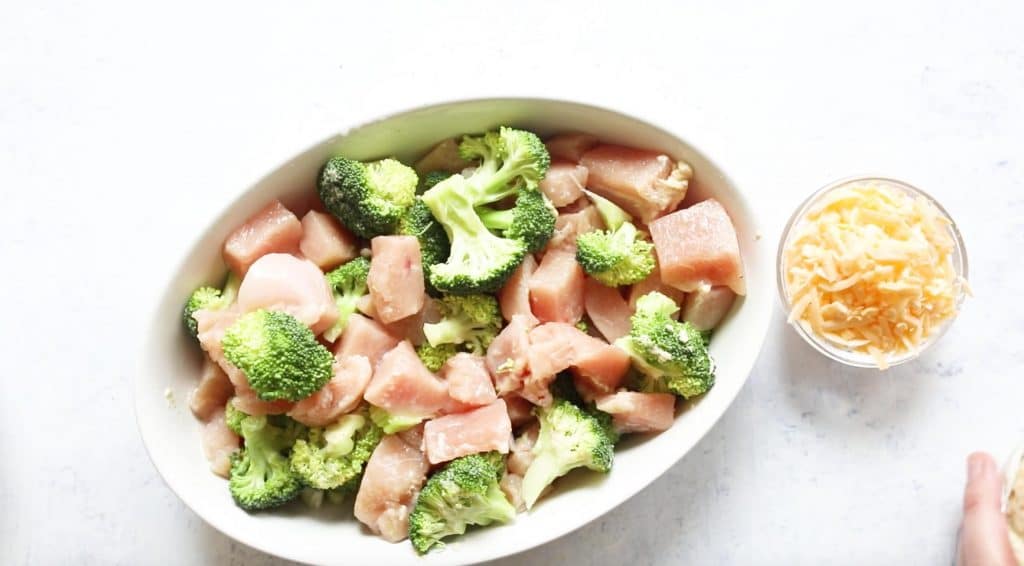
(837, 353)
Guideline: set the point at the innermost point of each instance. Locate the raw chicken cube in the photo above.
(570, 146)
(393, 477)
(272, 229)
(707, 306)
(556, 288)
(364, 337)
(480, 430)
(653, 283)
(396, 277)
(639, 412)
(557, 346)
(282, 282)
(213, 391)
(342, 394)
(520, 411)
(219, 442)
(514, 297)
(607, 310)
(521, 456)
(325, 242)
(564, 182)
(402, 385)
(442, 157)
(569, 225)
(468, 380)
(507, 355)
(512, 486)
(697, 246)
(645, 183)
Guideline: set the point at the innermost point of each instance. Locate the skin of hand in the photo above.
(984, 539)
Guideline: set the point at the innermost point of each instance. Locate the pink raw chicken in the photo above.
(468, 380)
(507, 359)
(342, 394)
(514, 297)
(653, 283)
(480, 430)
(219, 442)
(248, 402)
(393, 477)
(512, 486)
(556, 288)
(564, 182)
(364, 337)
(520, 411)
(213, 391)
(697, 246)
(396, 277)
(273, 229)
(442, 157)
(645, 183)
(639, 412)
(569, 225)
(557, 346)
(282, 282)
(325, 242)
(607, 310)
(707, 306)
(211, 326)
(570, 146)
(521, 456)
(402, 385)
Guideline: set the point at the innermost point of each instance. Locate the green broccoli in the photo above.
(619, 255)
(368, 198)
(434, 245)
(348, 285)
(209, 298)
(434, 357)
(480, 261)
(531, 220)
(428, 181)
(672, 356)
(279, 355)
(331, 457)
(471, 321)
(570, 437)
(464, 493)
(390, 423)
(260, 475)
(315, 498)
(233, 417)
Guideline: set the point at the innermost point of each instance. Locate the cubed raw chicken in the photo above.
(325, 242)
(364, 337)
(697, 246)
(413, 436)
(442, 157)
(507, 355)
(639, 412)
(645, 183)
(570, 146)
(402, 385)
(210, 328)
(480, 430)
(564, 182)
(707, 306)
(520, 411)
(342, 394)
(569, 225)
(557, 346)
(556, 288)
(219, 442)
(272, 229)
(282, 282)
(213, 391)
(607, 310)
(393, 477)
(653, 283)
(512, 486)
(396, 277)
(248, 402)
(409, 328)
(468, 380)
(514, 296)
(521, 455)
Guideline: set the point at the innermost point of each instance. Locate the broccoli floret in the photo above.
(434, 357)
(279, 355)
(331, 457)
(479, 261)
(671, 355)
(615, 257)
(260, 475)
(233, 417)
(531, 220)
(390, 423)
(368, 198)
(464, 493)
(348, 285)
(434, 245)
(428, 181)
(569, 438)
(209, 298)
(471, 321)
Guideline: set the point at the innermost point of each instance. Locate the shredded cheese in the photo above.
(869, 269)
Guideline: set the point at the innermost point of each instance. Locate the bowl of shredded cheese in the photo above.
(872, 271)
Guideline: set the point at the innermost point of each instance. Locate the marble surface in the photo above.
(124, 126)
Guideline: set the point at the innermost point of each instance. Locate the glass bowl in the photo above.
(833, 351)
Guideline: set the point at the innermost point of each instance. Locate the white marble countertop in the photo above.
(124, 125)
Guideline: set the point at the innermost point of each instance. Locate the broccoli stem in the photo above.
(496, 219)
(544, 469)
